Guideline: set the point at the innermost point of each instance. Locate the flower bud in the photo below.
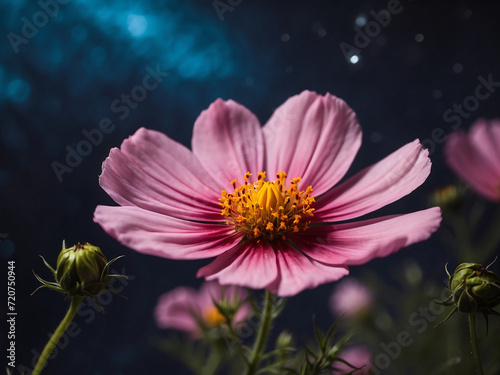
(474, 288)
(284, 340)
(82, 270)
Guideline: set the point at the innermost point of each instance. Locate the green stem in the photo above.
(73, 308)
(262, 335)
(475, 350)
(213, 362)
(237, 342)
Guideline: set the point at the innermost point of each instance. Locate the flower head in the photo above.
(265, 201)
(351, 298)
(476, 157)
(189, 310)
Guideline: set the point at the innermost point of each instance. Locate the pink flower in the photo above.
(476, 157)
(350, 297)
(260, 199)
(185, 308)
(357, 356)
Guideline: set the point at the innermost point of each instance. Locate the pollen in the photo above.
(268, 210)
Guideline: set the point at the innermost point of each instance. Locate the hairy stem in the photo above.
(262, 335)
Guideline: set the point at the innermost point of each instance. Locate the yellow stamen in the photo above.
(268, 209)
(212, 317)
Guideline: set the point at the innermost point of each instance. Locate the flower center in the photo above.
(213, 317)
(267, 209)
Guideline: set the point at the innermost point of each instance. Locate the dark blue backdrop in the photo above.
(66, 64)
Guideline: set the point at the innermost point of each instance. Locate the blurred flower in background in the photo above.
(192, 311)
(358, 356)
(350, 297)
(476, 157)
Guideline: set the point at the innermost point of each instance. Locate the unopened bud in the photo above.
(474, 288)
(284, 340)
(82, 270)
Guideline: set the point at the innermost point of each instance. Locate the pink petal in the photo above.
(227, 139)
(471, 164)
(165, 236)
(485, 135)
(250, 264)
(313, 137)
(359, 242)
(350, 297)
(357, 356)
(376, 186)
(297, 272)
(153, 172)
(213, 289)
(175, 309)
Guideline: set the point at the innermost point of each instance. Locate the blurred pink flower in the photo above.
(358, 356)
(265, 233)
(184, 308)
(476, 157)
(350, 297)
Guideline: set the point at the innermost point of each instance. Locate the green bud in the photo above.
(284, 340)
(82, 270)
(474, 288)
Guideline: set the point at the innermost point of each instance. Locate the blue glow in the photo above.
(98, 55)
(79, 33)
(18, 90)
(182, 43)
(195, 67)
(136, 24)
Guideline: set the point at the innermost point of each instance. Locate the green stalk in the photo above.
(73, 308)
(213, 362)
(473, 336)
(262, 335)
(237, 342)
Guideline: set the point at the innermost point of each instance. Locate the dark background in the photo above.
(63, 80)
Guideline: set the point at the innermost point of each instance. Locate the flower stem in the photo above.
(237, 343)
(473, 336)
(262, 335)
(54, 339)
